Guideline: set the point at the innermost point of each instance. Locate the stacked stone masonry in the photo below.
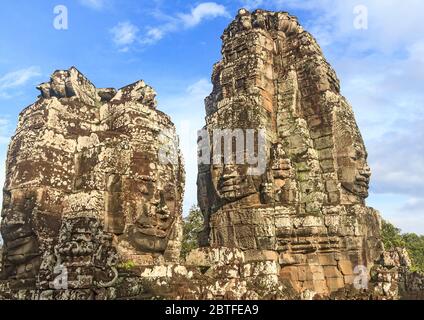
(86, 188)
(309, 205)
(92, 205)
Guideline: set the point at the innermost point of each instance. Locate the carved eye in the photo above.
(359, 154)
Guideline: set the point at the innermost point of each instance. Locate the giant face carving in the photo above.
(353, 171)
(150, 196)
(308, 204)
(315, 155)
(153, 217)
(238, 160)
(232, 182)
(92, 156)
(235, 182)
(21, 254)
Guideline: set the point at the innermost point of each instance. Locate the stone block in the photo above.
(260, 255)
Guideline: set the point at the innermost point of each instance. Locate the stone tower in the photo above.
(94, 178)
(308, 204)
(94, 186)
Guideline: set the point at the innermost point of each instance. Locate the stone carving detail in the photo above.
(94, 186)
(85, 186)
(309, 203)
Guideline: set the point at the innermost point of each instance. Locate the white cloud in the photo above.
(416, 53)
(94, 4)
(155, 34)
(124, 34)
(207, 10)
(403, 211)
(15, 79)
(203, 11)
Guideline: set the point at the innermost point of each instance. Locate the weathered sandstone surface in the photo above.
(94, 187)
(85, 186)
(308, 205)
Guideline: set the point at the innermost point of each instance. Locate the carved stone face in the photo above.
(21, 254)
(154, 217)
(354, 172)
(90, 163)
(78, 237)
(232, 182)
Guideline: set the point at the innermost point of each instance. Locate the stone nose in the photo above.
(366, 171)
(156, 199)
(229, 172)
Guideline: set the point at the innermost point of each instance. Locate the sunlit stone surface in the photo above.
(308, 205)
(85, 187)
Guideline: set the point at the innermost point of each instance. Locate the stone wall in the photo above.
(94, 186)
(94, 178)
(308, 205)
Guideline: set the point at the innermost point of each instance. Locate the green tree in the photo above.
(393, 238)
(193, 224)
(415, 247)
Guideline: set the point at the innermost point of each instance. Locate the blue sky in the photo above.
(172, 45)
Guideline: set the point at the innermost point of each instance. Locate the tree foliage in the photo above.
(393, 237)
(193, 224)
